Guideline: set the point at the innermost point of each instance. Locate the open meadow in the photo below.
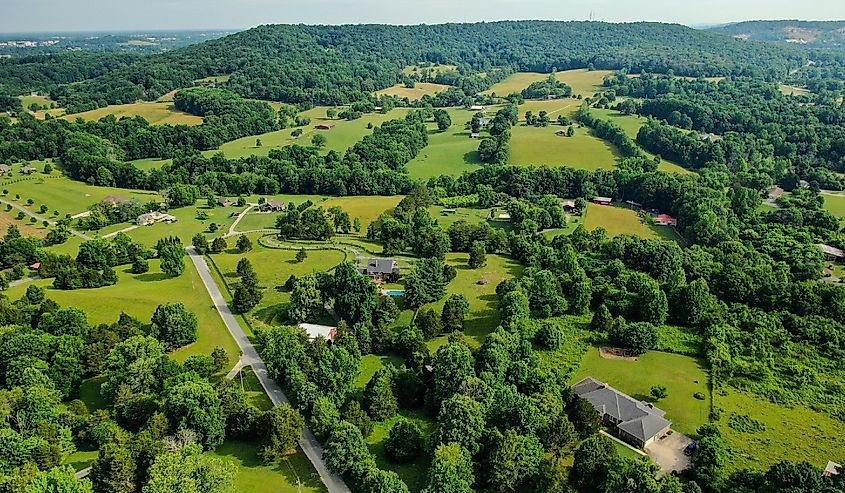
(366, 209)
(584, 82)
(835, 204)
(448, 153)
(415, 93)
(157, 113)
(138, 295)
(617, 220)
(539, 145)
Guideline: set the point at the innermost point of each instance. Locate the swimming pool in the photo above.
(394, 292)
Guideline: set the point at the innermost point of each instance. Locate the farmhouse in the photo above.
(382, 269)
(475, 135)
(153, 217)
(314, 331)
(5, 168)
(602, 200)
(324, 126)
(568, 205)
(114, 200)
(224, 202)
(831, 252)
(272, 206)
(636, 422)
(476, 107)
(665, 220)
(503, 217)
(28, 170)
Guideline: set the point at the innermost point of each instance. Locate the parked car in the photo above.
(690, 449)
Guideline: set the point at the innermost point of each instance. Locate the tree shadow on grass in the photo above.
(472, 157)
(270, 313)
(152, 277)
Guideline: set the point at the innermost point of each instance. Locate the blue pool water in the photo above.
(395, 293)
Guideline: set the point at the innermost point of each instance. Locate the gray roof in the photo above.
(636, 418)
(381, 266)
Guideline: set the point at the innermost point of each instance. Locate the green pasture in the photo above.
(793, 90)
(682, 375)
(620, 220)
(584, 82)
(515, 83)
(157, 113)
(448, 153)
(539, 145)
(789, 433)
(835, 204)
(367, 209)
(138, 295)
(415, 93)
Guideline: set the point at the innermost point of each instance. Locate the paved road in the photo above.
(42, 218)
(249, 357)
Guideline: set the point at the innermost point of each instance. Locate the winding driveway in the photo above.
(249, 357)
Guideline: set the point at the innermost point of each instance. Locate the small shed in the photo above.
(602, 200)
(324, 126)
(224, 202)
(832, 469)
(475, 135)
(5, 168)
(831, 252)
(665, 220)
(476, 107)
(568, 205)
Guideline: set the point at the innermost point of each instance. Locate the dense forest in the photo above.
(341, 64)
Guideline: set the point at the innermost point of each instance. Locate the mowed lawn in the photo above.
(835, 204)
(367, 209)
(62, 194)
(514, 83)
(415, 93)
(274, 267)
(343, 135)
(254, 476)
(584, 82)
(138, 295)
(539, 145)
(26, 227)
(682, 375)
(413, 473)
(448, 153)
(157, 113)
(620, 220)
(790, 433)
(185, 227)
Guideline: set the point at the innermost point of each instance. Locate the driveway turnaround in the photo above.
(249, 357)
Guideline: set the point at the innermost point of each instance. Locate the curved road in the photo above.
(249, 357)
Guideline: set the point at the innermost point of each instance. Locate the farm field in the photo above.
(448, 153)
(631, 124)
(514, 83)
(342, 136)
(537, 146)
(60, 193)
(835, 204)
(138, 295)
(150, 163)
(620, 220)
(27, 101)
(790, 433)
(415, 93)
(582, 81)
(682, 375)
(793, 91)
(25, 226)
(157, 113)
(367, 209)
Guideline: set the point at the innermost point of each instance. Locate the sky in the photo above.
(122, 15)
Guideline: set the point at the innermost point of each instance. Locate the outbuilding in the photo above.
(602, 200)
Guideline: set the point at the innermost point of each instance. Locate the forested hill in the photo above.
(812, 34)
(339, 64)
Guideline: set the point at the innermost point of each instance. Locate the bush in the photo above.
(659, 392)
(405, 442)
(550, 336)
(699, 396)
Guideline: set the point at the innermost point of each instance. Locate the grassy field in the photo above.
(515, 83)
(483, 315)
(367, 209)
(448, 153)
(835, 204)
(157, 113)
(26, 101)
(342, 136)
(683, 376)
(62, 194)
(793, 434)
(254, 476)
(620, 220)
(139, 295)
(25, 226)
(793, 91)
(472, 216)
(410, 69)
(284, 265)
(536, 146)
(582, 81)
(150, 163)
(415, 93)
(631, 124)
(414, 473)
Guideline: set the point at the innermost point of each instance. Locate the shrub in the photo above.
(405, 442)
(550, 336)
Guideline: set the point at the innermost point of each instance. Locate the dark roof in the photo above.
(381, 266)
(636, 418)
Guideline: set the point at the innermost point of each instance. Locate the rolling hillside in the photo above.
(812, 34)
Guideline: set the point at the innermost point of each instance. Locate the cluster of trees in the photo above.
(107, 213)
(336, 65)
(542, 89)
(609, 131)
(309, 223)
(94, 264)
(231, 115)
(496, 149)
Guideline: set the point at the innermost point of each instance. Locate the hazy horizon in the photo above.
(49, 16)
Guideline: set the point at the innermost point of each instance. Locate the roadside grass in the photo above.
(413, 93)
(157, 113)
(538, 146)
(448, 153)
(283, 264)
(791, 433)
(367, 209)
(255, 394)
(254, 476)
(413, 473)
(138, 295)
(631, 124)
(343, 135)
(620, 220)
(682, 375)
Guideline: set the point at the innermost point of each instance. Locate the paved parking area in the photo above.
(668, 452)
